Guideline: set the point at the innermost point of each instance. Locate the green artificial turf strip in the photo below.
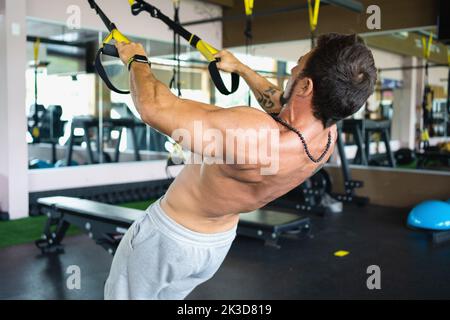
(28, 230)
(25, 230)
(139, 205)
(412, 165)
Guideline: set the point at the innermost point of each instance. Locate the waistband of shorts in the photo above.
(172, 229)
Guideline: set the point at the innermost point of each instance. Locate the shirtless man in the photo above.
(184, 237)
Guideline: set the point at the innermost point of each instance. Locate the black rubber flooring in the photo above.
(411, 268)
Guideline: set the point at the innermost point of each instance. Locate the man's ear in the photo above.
(305, 87)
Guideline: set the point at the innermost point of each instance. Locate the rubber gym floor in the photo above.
(411, 267)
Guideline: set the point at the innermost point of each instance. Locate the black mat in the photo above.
(301, 269)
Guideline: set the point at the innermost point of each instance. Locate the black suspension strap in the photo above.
(427, 95)
(448, 80)
(106, 48)
(248, 32)
(138, 6)
(36, 47)
(175, 82)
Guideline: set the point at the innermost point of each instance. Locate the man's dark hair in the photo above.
(343, 73)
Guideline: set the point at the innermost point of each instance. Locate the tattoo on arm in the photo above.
(265, 98)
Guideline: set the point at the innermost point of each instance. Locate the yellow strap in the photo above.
(36, 132)
(313, 14)
(430, 44)
(425, 135)
(448, 55)
(36, 46)
(206, 50)
(116, 35)
(424, 47)
(108, 38)
(249, 4)
(427, 46)
(131, 2)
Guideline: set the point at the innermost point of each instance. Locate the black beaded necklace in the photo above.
(287, 125)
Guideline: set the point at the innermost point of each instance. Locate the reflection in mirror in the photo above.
(405, 123)
(74, 119)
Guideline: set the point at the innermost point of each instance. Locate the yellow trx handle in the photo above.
(206, 50)
(131, 2)
(313, 14)
(249, 5)
(117, 36)
(427, 46)
(35, 132)
(36, 46)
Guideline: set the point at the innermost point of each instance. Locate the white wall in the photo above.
(384, 59)
(13, 148)
(98, 175)
(405, 101)
(438, 76)
(141, 26)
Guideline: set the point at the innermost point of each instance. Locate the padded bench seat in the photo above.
(269, 225)
(92, 209)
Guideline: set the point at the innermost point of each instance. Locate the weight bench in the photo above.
(106, 224)
(269, 225)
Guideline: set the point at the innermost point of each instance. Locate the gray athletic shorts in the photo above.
(160, 259)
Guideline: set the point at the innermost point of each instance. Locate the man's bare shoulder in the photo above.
(244, 117)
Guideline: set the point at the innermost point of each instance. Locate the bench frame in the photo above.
(105, 231)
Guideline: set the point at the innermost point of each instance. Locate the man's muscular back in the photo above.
(208, 197)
